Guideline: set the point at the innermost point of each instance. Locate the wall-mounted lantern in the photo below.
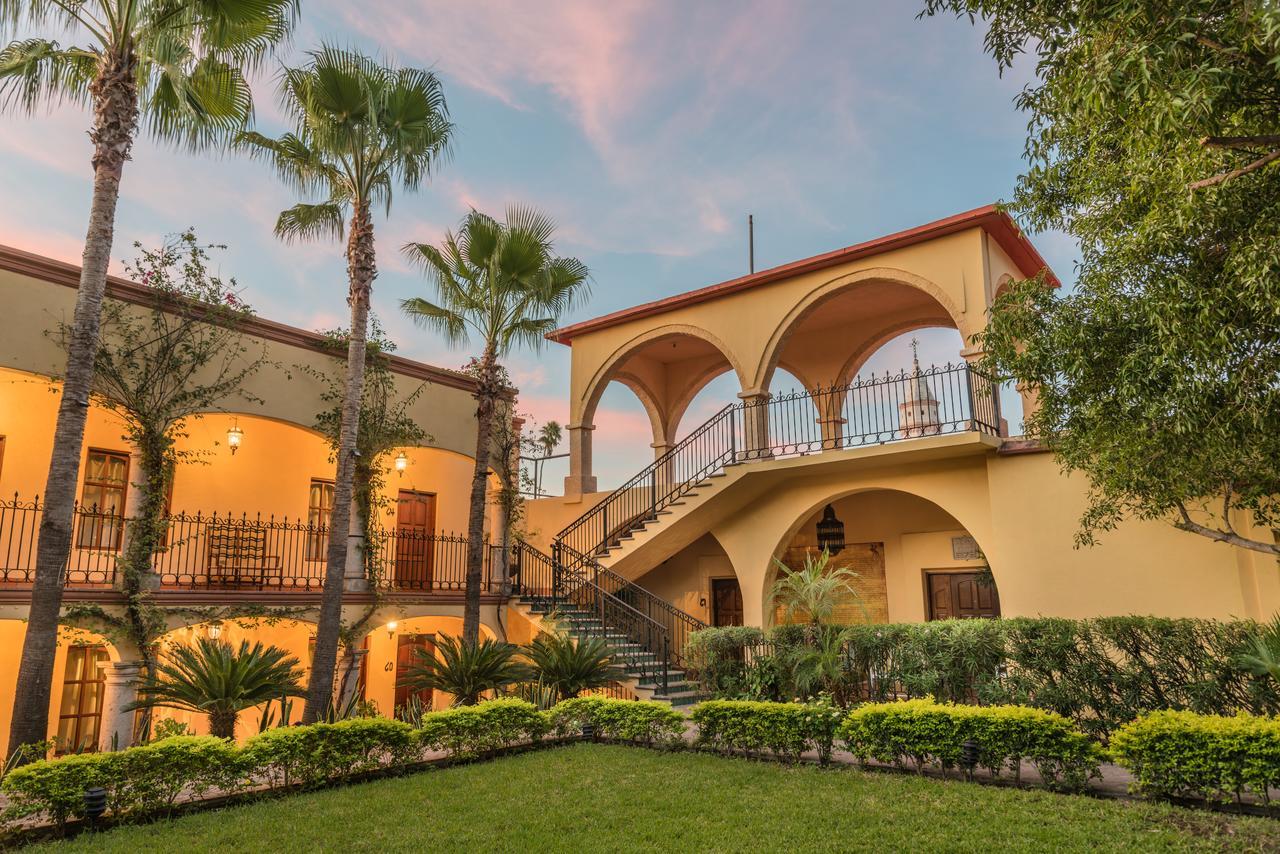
(830, 531)
(234, 436)
(391, 628)
(214, 631)
(402, 463)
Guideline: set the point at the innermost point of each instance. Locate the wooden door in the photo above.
(415, 539)
(407, 655)
(726, 602)
(960, 595)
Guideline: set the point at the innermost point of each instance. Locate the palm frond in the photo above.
(35, 71)
(310, 222)
(465, 671)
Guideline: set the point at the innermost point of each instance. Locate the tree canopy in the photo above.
(1153, 136)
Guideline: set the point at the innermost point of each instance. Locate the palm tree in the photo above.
(813, 591)
(548, 437)
(465, 670)
(359, 129)
(569, 666)
(175, 69)
(213, 679)
(502, 282)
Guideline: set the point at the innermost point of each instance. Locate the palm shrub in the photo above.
(212, 678)
(360, 129)
(570, 665)
(502, 282)
(814, 591)
(465, 670)
(174, 68)
(1264, 658)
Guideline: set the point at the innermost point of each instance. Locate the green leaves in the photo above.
(1154, 139)
(466, 671)
(571, 666)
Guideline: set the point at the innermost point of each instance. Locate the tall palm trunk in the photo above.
(115, 108)
(223, 724)
(361, 271)
(486, 397)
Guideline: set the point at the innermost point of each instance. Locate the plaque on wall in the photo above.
(965, 548)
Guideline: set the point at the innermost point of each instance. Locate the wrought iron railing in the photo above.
(907, 405)
(231, 552)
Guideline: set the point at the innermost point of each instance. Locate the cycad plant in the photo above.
(571, 666)
(814, 591)
(502, 283)
(173, 68)
(213, 678)
(360, 130)
(467, 671)
(1264, 658)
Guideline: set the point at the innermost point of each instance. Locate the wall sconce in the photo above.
(214, 631)
(402, 463)
(391, 629)
(234, 436)
(830, 531)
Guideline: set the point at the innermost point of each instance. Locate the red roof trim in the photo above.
(994, 221)
(61, 273)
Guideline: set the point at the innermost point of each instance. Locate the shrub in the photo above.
(484, 728)
(923, 732)
(716, 658)
(319, 753)
(1201, 756)
(622, 720)
(140, 780)
(785, 730)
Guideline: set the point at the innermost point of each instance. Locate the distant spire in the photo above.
(915, 355)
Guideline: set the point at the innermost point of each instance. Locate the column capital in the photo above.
(755, 395)
(974, 353)
(581, 427)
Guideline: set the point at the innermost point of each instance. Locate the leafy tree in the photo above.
(156, 368)
(502, 282)
(360, 129)
(571, 666)
(465, 670)
(814, 591)
(212, 678)
(1154, 133)
(173, 68)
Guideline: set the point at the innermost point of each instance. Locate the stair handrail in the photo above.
(657, 499)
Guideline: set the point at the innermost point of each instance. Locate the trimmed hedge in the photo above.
(785, 730)
(923, 732)
(141, 780)
(1101, 673)
(647, 723)
(321, 753)
(1182, 754)
(468, 731)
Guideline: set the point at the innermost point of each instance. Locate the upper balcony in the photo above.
(235, 557)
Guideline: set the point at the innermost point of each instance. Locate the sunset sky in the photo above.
(648, 130)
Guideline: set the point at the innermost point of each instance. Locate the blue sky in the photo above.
(648, 130)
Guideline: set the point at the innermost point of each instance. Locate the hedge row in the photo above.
(785, 730)
(1182, 754)
(148, 780)
(924, 732)
(1101, 673)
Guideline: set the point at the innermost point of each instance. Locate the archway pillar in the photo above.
(120, 688)
(665, 473)
(580, 480)
(132, 510)
(756, 444)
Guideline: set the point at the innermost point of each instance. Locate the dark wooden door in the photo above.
(961, 595)
(415, 539)
(726, 602)
(407, 647)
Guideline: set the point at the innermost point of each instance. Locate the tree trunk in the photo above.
(115, 105)
(485, 395)
(223, 724)
(361, 270)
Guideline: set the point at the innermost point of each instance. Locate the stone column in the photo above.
(352, 684)
(121, 689)
(755, 426)
(354, 579)
(132, 510)
(666, 474)
(1030, 402)
(830, 422)
(580, 481)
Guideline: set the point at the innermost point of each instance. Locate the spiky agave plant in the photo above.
(213, 678)
(570, 665)
(465, 670)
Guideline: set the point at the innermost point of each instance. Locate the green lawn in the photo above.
(596, 797)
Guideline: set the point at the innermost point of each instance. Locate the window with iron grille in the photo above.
(106, 482)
